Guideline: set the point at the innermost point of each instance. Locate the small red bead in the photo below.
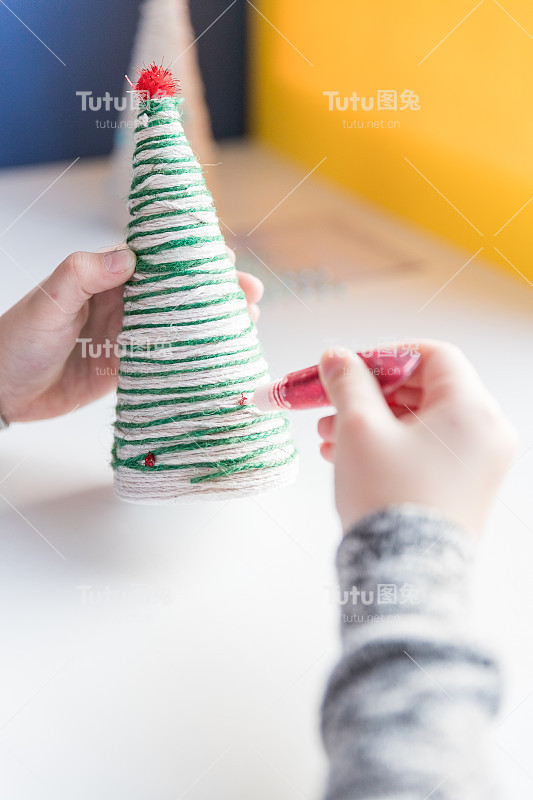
(149, 460)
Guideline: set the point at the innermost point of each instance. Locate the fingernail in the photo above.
(119, 260)
(333, 361)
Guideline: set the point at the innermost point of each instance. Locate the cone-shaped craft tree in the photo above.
(189, 350)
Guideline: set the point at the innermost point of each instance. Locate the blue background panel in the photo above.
(42, 117)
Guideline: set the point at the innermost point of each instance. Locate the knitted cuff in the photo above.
(404, 560)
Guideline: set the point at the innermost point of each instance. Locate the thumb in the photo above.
(80, 276)
(350, 385)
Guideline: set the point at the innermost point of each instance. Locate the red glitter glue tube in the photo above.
(303, 389)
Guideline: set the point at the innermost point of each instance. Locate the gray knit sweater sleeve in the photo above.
(407, 709)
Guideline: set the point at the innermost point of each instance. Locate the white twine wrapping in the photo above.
(179, 402)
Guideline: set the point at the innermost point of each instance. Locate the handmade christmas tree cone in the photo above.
(190, 354)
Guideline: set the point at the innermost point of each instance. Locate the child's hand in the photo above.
(42, 373)
(450, 454)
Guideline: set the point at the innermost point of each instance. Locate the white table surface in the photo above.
(172, 652)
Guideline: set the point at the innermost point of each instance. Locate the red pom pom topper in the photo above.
(156, 81)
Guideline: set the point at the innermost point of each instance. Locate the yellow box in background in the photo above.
(460, 165)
